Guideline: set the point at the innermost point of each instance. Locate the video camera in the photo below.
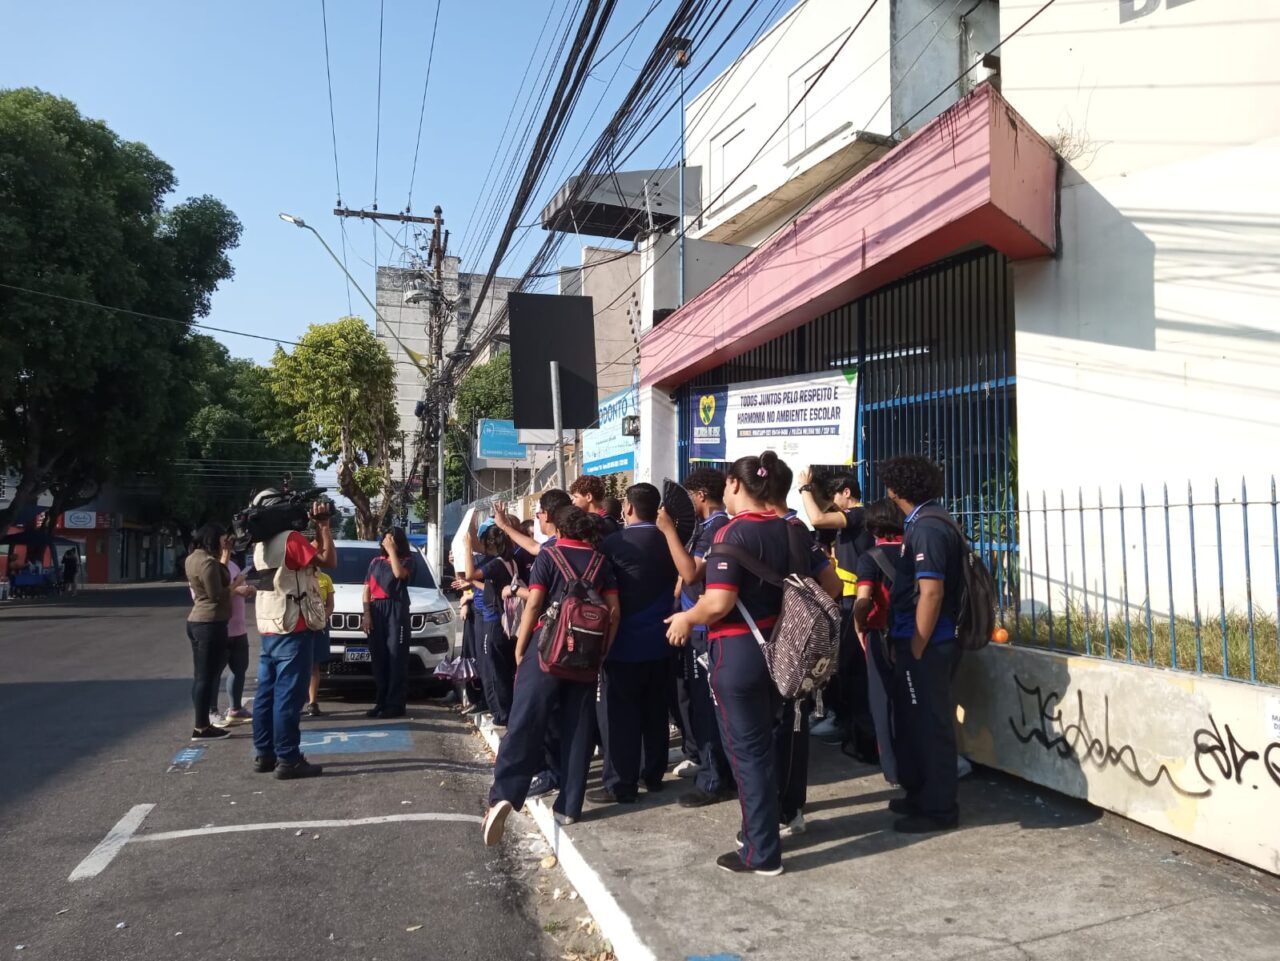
(274, 511)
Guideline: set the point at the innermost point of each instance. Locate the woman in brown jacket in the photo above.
(211, 587)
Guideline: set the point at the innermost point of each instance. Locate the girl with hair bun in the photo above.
(745, 694)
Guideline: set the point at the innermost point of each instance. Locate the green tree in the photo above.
(338, 388)
(238, 441)
(483, 392)
(89, 395)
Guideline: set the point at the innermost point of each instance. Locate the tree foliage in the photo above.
(485, 392)
(338, 389)
(89, 395)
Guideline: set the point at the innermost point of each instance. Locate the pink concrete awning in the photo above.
(977, 174)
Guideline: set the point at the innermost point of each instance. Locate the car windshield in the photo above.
(353, 566)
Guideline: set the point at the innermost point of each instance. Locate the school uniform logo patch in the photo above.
(722, 566)
(919, 558)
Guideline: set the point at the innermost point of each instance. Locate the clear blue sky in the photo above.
(233, 96)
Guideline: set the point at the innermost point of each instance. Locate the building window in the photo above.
(730, 154)
(814, 116)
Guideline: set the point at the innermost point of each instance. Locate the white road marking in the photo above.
(306, 825)
(110, 846)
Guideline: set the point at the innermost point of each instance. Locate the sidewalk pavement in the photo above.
(1029, 875)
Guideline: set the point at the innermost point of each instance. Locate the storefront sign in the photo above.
(496, 440)
(808, 419)
(605, 449)
(79, 520)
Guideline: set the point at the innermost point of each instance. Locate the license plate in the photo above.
(356, 654)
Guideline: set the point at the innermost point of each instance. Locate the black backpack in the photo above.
(976, 612)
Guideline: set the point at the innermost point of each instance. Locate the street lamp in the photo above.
(417, 359)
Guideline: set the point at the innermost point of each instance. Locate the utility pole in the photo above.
(439, 416)
(681, 45)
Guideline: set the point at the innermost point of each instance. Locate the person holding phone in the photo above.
(386, 622)
(211, 586)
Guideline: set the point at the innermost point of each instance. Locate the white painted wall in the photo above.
(705, 262)
(739, 113)
(1147, 351)
(659, 431)
(1154, 746)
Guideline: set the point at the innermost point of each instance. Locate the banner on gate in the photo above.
(807, 419)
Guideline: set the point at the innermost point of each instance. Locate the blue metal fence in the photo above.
(1166, 580)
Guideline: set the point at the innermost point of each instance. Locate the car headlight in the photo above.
(439, 617)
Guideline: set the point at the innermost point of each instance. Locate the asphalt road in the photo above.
(94, 708)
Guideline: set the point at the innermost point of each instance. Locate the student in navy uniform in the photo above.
(497, 650)
(540, 695)
(521, 533)
(633, 683)
(386, 622)
(713, 773)
(849, 703)
(924, 604)
(871, 620)
(745, 695)
(791, 740)
(587, 494)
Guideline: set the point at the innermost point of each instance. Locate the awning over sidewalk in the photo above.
(977, 174)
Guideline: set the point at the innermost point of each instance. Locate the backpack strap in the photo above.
(562, 565)
(593, 568)
(747, 560)
(882, 561)
(942, 514)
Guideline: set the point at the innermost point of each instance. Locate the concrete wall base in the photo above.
(1194, 757)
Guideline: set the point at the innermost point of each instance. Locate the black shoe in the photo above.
(924, 824)
(699, 798)
(312, 710)
(564, 820)
(605, 796)
(397, 712)
(733, 863)
(654, 787)
(264, 764)
(373, 712)
(210, 734)
(903, 805)
(298, 769)
(541, 785)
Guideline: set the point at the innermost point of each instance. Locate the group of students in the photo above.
(685, 640)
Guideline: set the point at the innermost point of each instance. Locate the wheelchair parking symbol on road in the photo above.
(355, 740)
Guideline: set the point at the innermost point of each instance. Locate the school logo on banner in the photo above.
(706, 425)
(707, 408)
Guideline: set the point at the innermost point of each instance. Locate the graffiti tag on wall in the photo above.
(1217, 751)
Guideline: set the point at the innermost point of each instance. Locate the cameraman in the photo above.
(289, 609)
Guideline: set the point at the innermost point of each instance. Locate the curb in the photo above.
(614, 923)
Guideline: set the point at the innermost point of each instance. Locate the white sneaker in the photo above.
(219, 720)
(687, 768)
(827, 727)
(495, 822)
(796, 826)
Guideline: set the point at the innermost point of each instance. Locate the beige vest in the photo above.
(292, 593)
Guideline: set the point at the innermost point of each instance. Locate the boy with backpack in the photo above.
(497, 645)
(925, 615)
(570, 618)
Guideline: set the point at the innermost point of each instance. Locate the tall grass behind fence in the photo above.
(1186, 579)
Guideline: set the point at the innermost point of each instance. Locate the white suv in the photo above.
(432, 625)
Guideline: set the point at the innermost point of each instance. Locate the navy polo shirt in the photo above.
(496, 575)
(852, 539)
(524, 561)
(608, 526)
(815, 556)
(646, 577)
(764, 535)
(931, 548)
(707, 531)
(545, 575)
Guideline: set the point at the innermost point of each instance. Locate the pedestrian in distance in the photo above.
(613, 510)
(211, 587)
(587, 494)
(320, 646)
(237, 649)
(791, 729)
(745, 694)
(489, 579)
(871, 620)
(289, 610)
(712, 773)
(925, 605)
(632, 709)
(540, 695)
(386, 622)
(849, 720)
(70, 568)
